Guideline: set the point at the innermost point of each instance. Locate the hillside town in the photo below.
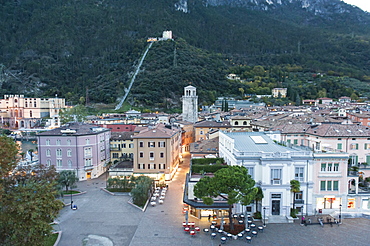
(325, 144)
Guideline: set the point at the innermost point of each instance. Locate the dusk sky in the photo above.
(363, 4)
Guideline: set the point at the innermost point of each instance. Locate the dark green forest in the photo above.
(87, 50)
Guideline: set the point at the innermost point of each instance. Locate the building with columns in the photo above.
(190, 104)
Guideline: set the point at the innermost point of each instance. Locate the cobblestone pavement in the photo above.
(114, 221)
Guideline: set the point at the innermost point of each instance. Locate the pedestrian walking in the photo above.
(209, 217)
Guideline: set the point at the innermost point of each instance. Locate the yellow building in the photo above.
(121, 146)
(157, 151)
(203, 128)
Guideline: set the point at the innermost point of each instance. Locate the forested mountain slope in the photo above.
(63, 47)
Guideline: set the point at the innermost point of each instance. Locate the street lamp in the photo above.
(264, 216)
(340, 213)
(71, 199)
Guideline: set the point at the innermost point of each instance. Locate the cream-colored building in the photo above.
(276, 92)
(18, 111)
(157, 152)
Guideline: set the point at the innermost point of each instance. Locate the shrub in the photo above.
(257, 215)
(206, 169)
(293, 213)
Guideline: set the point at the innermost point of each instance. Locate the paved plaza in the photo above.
(104, 220)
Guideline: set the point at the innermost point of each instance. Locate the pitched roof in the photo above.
(121, 135)
(337, 130)
(213, 124)
(158, 131)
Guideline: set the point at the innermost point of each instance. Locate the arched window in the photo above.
(236, 123)
(244, 123)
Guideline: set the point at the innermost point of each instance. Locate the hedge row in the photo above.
(206, 161)
(206, 169)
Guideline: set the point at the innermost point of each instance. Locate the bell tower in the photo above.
(190, 104)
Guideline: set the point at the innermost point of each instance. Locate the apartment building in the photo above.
(332, 184)
(80, 147)
(362, 118)
(352, 139)
(157, 151)
(121, 146)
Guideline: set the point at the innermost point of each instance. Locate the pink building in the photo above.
(330, 182)
(80, 147)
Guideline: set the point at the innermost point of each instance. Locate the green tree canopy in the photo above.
(28, 204)
(141, 192)
(67, 178)
(75, 114)
(233, 183)
(295, 187)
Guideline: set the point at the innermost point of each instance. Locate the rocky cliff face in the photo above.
(317, 7)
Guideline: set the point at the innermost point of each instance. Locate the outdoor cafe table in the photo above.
(186, 229)
(192, 233)
(197, 228)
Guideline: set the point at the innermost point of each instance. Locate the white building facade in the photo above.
(272, 166)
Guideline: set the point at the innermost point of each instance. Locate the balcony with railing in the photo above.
(299, 201)
(88, 168)
(115, 147)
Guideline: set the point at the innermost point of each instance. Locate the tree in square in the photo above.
(233, 184)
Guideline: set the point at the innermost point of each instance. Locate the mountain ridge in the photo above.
(69, 47)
